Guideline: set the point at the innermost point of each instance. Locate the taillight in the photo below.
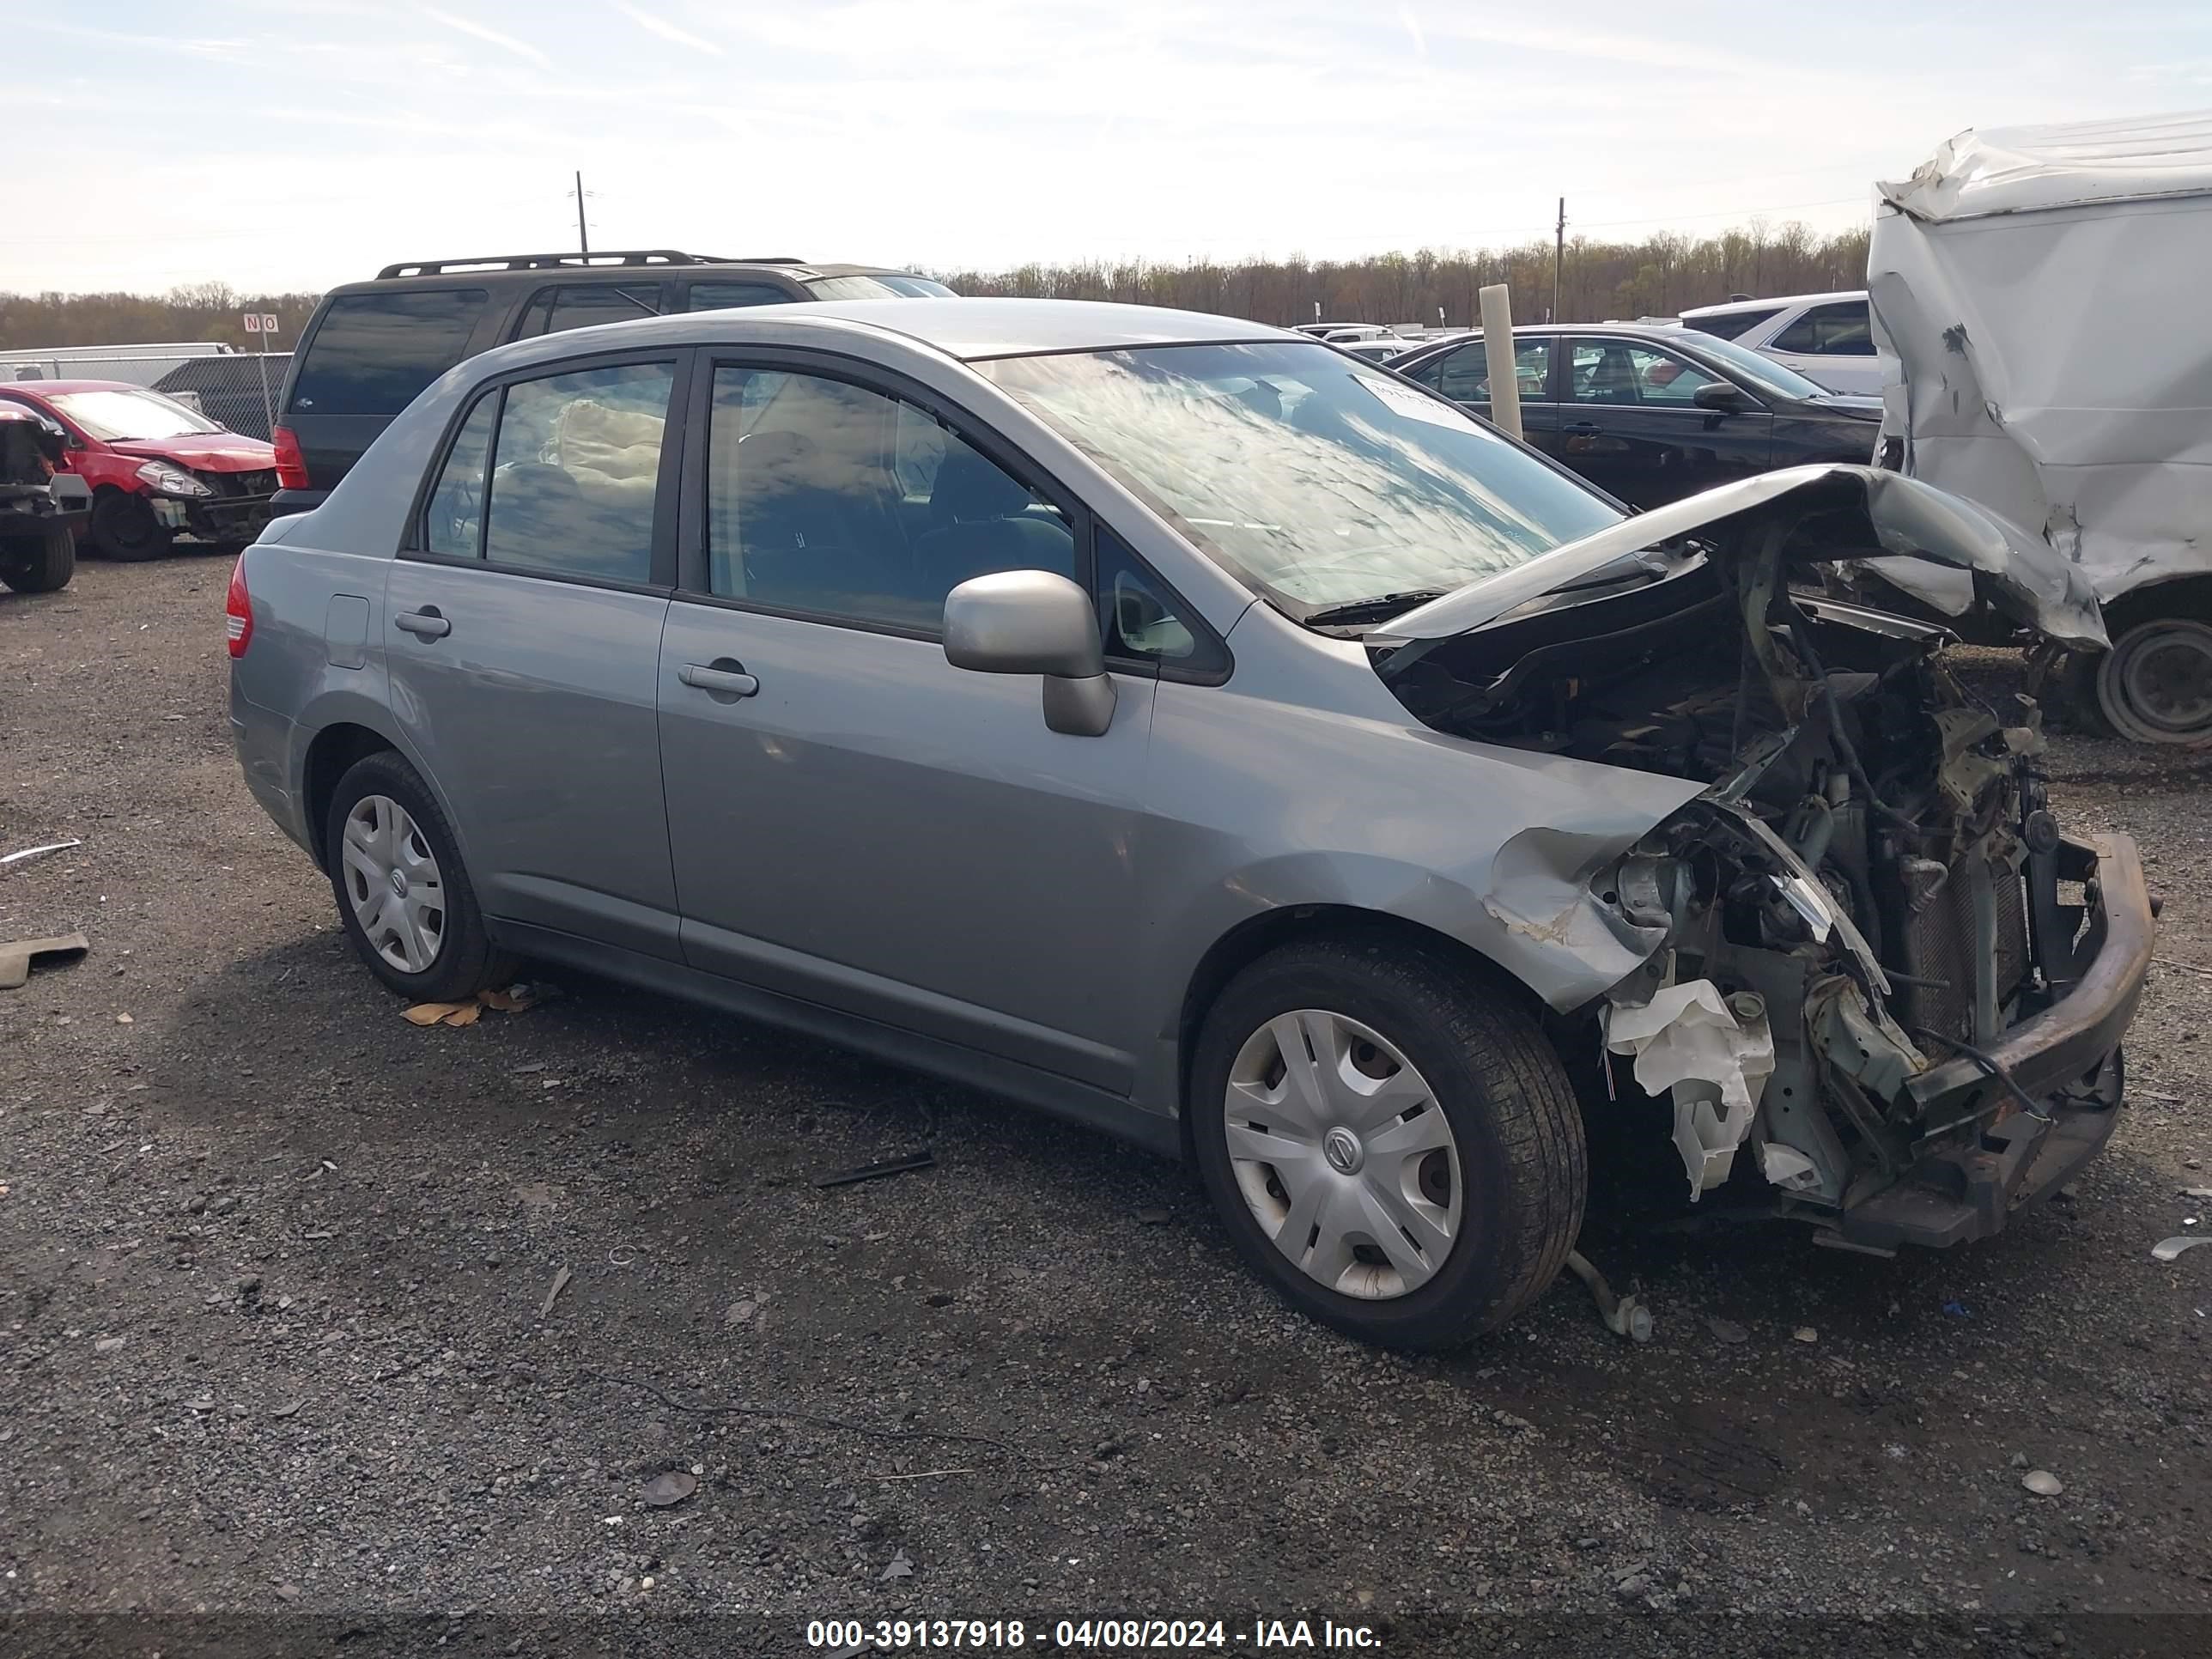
(238, 611)
(291, 471)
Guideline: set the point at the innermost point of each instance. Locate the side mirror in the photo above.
(1033, 622)
(1719, 397)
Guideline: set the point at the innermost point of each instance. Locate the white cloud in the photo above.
(666, 30)
(521, 49)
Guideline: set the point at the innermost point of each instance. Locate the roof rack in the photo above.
(620, 257)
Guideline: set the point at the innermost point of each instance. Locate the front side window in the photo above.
(574, 476)
(1140, 617)
(1616, 372)
(832, 500)
(1840, 329)
(118, 417)
(580, 305)
(725, 296)
(1321, 481)
(373, 352)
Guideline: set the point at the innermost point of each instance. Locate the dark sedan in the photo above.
(1651, 414)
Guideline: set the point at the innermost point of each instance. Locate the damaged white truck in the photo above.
(2039, 288)
(1861, 948)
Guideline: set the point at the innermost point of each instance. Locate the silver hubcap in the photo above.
(392, 882)
(2156, 682)
(1342, 1154)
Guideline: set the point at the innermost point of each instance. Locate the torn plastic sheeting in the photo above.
(1690, 1043)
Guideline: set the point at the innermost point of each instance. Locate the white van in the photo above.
(2043, 290)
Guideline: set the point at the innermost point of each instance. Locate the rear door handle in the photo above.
(724, 678)
(1582, 426)
(425, 623)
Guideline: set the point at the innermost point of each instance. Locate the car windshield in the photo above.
(111, 416)
(1763, 374)
(876, 288)
(1321, 481)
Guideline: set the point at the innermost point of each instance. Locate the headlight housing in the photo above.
(171, 480)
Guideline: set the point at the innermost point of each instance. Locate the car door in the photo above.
(521, 634)
(1462, 374)
(1631, 425)
(855, 822)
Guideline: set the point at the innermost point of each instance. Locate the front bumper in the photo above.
(219, 517)
(1983, 1155)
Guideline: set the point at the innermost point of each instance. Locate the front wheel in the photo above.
(42, 561)
(1389, 1142)
(403, 896)
(123, 527)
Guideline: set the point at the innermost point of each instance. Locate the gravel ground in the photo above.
(275, 1307)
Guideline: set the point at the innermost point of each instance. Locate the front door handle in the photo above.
(1582, 426)
(724, 678)
(426, 624)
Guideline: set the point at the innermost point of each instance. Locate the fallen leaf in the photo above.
(2043, 1483)
(286, 1408)
(560, 1284)
(664, 1490)
(1727, 1330)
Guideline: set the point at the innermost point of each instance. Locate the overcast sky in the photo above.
(296, 143)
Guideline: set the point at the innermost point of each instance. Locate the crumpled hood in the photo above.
(1864, 509)
(208, 451)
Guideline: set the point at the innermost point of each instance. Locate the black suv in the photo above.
(371, 346)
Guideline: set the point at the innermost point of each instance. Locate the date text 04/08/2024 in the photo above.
(845, 1637)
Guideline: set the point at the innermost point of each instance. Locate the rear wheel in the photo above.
(402, 896)
(42, 561)
(1389, 1143)
(123, 527)
(2155, 686)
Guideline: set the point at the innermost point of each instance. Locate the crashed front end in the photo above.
(1878, 971)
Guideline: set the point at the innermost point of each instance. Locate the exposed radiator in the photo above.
(1939, 945)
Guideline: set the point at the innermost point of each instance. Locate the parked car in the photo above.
(155, 469)
(42, 505)
(1379, 350)
(371, 346)
(1166, 721)
(1651, 414)
(1827, 337)
(2085, 421)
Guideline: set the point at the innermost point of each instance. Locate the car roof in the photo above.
(540, 271)
(971, 329)
(40, 388)
(1776, 303)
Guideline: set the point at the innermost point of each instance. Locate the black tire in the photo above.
(2077, 683)
(123, 527)
(1504, 1093)
(467, 960)
(42, 561)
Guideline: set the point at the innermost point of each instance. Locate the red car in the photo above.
(155, 467)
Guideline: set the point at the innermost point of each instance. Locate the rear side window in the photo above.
(573, 478)
(581, 304)
(373, 352)
(723, 296)
(1839, 329)
(1729, 323)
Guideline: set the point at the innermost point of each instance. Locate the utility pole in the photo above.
(1559, 258)
(584, 239)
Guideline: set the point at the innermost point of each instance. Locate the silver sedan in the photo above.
(1176, 725)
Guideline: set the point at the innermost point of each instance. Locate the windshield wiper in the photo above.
(1380, 608)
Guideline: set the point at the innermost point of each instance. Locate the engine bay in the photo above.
(1863, 884)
